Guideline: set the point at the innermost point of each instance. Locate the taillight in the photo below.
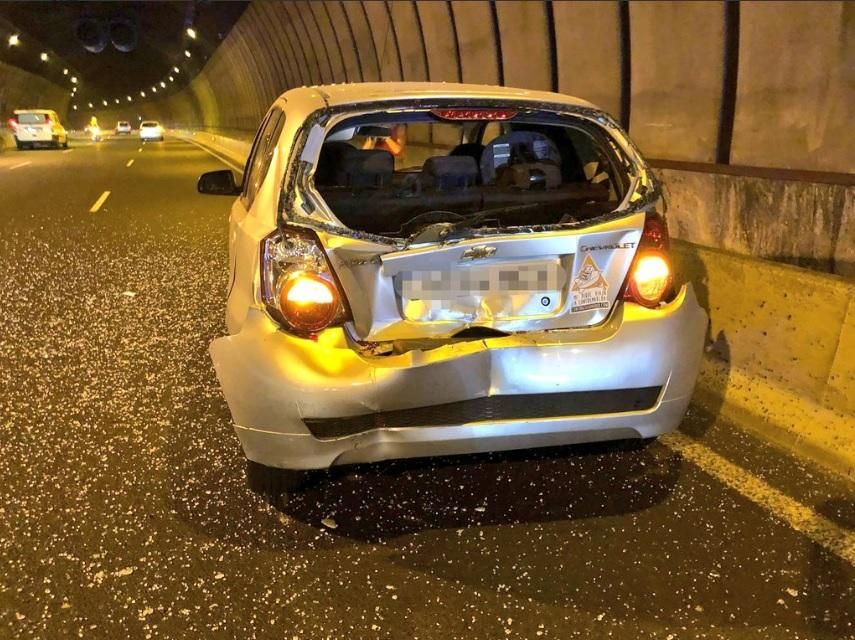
(298, 287)
(13, 123)
(651, 275)
(474, 114)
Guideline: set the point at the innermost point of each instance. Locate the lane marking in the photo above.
(803, 519)
(130, 162)
(139, 150)
(18, 166)
(68, 150)
(219, 157)
(99, 202)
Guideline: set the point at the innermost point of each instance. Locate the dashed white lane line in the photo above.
(139, 150)
(130, 162)
(100, 201)
(68, 150)
(799, 517)
(18, 166)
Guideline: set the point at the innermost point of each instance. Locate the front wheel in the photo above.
(273, 484)
(19, 144)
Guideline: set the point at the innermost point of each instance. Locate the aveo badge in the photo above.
(589, 289)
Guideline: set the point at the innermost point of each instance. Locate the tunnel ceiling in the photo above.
(115, 49)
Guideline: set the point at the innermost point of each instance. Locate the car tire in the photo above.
(19, 144)
(635, 444)
(273, 484)
(65, 144)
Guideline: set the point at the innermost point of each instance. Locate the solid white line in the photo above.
(68, 150)
(799, 517)
(99, 202)
(130, 162)
(18, 166)
(222, 159)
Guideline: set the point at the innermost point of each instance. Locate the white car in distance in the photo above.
(151, 130)
(123, 127)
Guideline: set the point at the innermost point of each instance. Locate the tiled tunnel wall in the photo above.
(660, 67)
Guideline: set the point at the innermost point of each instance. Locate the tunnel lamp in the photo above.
(176, 69)
(14, 40)
(163, 84)
(105, 102)
(191, 32)
(65, 72)
(142, 94)
(74, 106)
(44, 57)
(130, 99)
(90, 105)
(117, 101)
(172, 78)
(73, 79)
(154, 89)
(186, 53)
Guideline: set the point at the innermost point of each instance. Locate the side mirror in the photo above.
(218, 183)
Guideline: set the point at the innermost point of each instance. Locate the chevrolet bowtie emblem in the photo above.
(478, 253)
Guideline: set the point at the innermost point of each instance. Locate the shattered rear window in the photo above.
(396, 173)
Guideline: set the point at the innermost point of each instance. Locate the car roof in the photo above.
(356, 92)
(17, 111)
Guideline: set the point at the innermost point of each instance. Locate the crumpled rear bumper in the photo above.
(272, 381)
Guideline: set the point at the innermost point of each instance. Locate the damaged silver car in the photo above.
(421, 269)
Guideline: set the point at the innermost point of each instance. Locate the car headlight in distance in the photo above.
(298, 287)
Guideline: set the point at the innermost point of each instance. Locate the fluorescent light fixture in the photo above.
(154, 89)
(130, 99)
(142, 94)
(74, 106)
(163, 84)
(176, 69)
(44, 57)
(14, 40)
(73, 79)
(186, 53)
(117, 101)
(191, 32)
(91, 105)
(105, 102)
(65, 72)
(172, 78)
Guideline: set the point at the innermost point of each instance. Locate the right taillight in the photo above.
(298, 287)
(651, 275)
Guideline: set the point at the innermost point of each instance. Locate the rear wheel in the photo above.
(273, 484)
(19, 144)
(65, 144)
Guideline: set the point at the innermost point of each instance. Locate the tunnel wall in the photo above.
(20, 89)
(699, 85)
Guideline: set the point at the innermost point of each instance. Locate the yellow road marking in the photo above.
(130, 162)
(100, 201)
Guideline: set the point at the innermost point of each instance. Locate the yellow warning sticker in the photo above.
(589, 289)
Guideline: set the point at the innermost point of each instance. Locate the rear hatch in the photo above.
(509, 283)
(458, 217)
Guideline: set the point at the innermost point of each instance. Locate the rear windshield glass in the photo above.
(32, 118)
(395, 173)
(148, 124)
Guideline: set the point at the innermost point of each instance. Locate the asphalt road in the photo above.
(124, 512)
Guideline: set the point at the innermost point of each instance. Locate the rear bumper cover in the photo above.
(278, 386)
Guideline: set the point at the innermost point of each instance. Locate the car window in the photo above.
(262, 155)
(31, 118)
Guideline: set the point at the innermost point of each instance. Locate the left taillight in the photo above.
(651, 276)
(13, 123)
(299, 289)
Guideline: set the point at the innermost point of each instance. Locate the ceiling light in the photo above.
(191, 32)
(117, 101)
(74, 106)
(90, 105)
(65, 72)
(14, 40)
(172, 78)
(73, 79)
(163, 84)
(44, 57)
(105, 102)
(142, 93)
(186, 53)
(130, 99)
(176, 69)
(154, 89)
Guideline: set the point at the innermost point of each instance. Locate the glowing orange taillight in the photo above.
(650, 279)
(308, 302)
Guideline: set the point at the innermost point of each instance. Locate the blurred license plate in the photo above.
(481, 280)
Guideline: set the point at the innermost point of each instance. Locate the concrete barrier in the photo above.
(781, 354)
(780, 359)
(234, 151)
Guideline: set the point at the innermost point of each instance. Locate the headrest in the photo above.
(450, 172)
(365, 168)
